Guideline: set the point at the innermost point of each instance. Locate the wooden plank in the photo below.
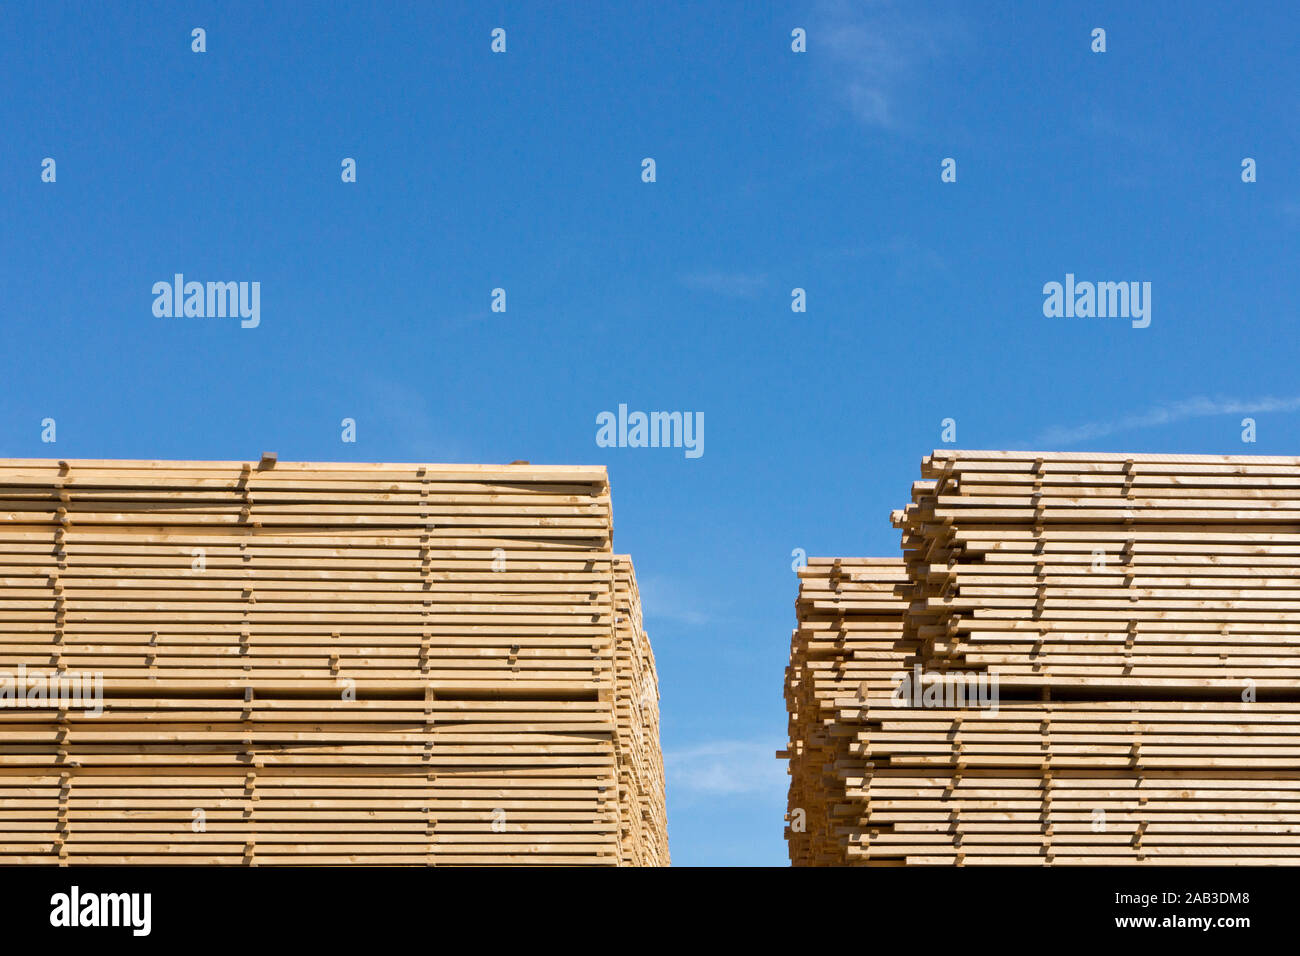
(1141, 615)
(325, 664)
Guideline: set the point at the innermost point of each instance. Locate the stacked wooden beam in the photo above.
(848, 647)
(642, 811)
(1109, 570)
(313, 663)
(1137, 616)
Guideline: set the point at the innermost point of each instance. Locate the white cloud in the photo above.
(406, 422)
(1059, 435)
(875, 51)
(665, 599)
(727, 768)
(735, 285)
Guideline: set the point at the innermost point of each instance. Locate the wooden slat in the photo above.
(1141, 615)
(325, 663)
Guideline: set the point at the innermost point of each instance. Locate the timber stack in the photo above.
(1079, 659)
(642, 813)
(288, 663)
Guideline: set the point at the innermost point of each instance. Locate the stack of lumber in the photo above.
(848, 647)
(317, 664)
(1109, 570)
(1138, 617)
(644, 838)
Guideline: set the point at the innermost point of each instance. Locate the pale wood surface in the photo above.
(506, 704)
(1125, 602)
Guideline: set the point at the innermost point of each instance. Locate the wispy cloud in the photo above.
(406, 422)
(665, 599)
(735, 285)
(1108, 125)
(727, 768)
(874, 51)
(1060, 435)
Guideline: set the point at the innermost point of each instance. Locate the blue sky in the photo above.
(775, 170)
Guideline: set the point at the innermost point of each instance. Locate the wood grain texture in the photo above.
(325, 664)
(1141, 615)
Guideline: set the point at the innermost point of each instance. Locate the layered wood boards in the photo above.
(1138, 617)
(641, 784)
(324, 664)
